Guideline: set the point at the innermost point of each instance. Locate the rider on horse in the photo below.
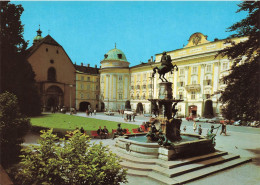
(166, 66)
(166, 61)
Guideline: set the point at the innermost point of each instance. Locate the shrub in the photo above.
(66, 162)
(13, 127)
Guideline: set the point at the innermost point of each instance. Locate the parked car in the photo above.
(189, 118)
(215, 120)
(255, 124)
(201, 119)
(229, 122)
(237, 123)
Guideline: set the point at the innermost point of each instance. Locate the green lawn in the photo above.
(70, 122)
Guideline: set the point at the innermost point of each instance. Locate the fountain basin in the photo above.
(191, 145)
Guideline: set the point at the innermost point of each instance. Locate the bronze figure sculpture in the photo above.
(166, 66)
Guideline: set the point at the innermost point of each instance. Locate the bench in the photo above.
(135, 130)
(94, 133)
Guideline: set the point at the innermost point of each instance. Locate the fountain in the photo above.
(164, 139)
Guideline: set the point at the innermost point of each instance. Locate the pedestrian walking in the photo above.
(224, 129)
(200, 130)
(184, 129)
(194, 126)
(95, 111)
(130, 117)
(133, 117)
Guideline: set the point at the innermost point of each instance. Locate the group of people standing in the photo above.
(90, 112)
(223, 128)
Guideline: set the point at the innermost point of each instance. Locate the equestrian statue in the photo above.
(166, 66)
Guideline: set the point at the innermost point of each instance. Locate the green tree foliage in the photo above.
(13, 127)
(17, 75)
(208, 110)
(241, 96)
(74, 161)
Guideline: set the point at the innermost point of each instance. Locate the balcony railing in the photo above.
(193, 87)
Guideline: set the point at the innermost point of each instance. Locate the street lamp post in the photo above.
(70, 95)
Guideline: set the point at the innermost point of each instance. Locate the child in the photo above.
(200, 130)
(194, 126)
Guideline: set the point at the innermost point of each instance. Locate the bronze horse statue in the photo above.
(166, 66)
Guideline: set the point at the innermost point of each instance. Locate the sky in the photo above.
(87, 30)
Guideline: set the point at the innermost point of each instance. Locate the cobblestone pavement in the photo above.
(243, 141)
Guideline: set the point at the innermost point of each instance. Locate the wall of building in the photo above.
(47, 56)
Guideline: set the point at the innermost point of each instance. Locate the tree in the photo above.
(13, 127)
(74, 161)
(241, 96)
(208, 110)
(17, 75)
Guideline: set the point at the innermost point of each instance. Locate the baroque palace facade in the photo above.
(114, 83)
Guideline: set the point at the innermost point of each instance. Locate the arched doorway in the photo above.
(139, 108)
(83, 106)
(54, 97)
(193, 110)
(127, 105)
(102, 106)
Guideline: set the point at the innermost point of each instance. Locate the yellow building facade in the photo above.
(87, 88)
(197, 80)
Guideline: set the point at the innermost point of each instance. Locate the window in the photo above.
(132, 87)
(194, 70)
(52, 74)
(194, 80)
(57, 51)
(97, 87)
(132, 96)
(119, 56)
(97, 97)
(82, 78)
(181, 95)
(225, 66)
(193, 95)
(82, 86)
(137, 97)
(181, 71)
(143, 96)
(51, 61)
(81, 95)
(144, 86)
(138, 87)
(88, 78)
(46, 50)
(120, 77)
(208, 68)
(120, 97)
(88, 87)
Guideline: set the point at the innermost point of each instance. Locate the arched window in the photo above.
(52, 74)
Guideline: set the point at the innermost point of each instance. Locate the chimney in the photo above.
(88, 65)
(81, 64)
(151, 58)
(96, 66)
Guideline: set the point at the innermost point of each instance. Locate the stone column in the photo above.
(216, 76)
(126, 88)
(114, 87)
(107, 86)
(175, 93)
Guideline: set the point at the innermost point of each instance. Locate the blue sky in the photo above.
(88, 30)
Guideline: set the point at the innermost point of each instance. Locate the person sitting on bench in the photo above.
(105, 132)
(100, 132)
